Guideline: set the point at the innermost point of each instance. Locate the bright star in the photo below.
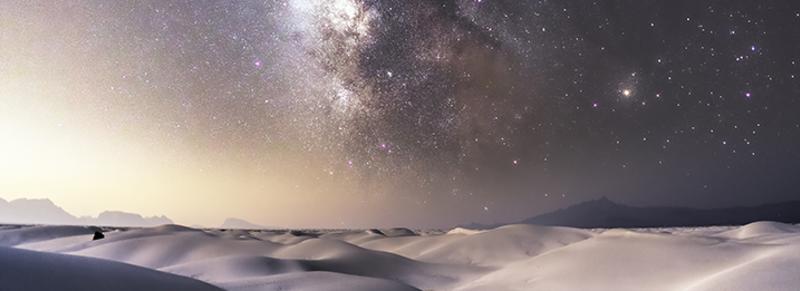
(626, 92)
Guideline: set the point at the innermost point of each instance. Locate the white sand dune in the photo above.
(758, 256)
(314, 281)
(29, 270)
(18, 235)
(494, 247)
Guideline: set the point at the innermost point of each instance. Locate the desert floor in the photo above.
(757, 256)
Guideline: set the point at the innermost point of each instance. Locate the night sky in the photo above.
(417, 113)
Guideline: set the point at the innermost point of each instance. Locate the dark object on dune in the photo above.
(299, 233)
(376, 231)
(98, 235)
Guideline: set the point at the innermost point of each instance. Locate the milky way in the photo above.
(439, 112)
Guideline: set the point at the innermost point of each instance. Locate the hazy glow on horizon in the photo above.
(49, 152)
(55, 145)
(52, 153)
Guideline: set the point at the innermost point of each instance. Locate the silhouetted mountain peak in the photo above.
(602, 204)
(36, 202)
(44, 211)
(238, 223)
(602, 201)
(33, 210)
(128, 219)
(604, 213)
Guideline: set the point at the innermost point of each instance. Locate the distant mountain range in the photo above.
(44, 211)
(604, 213)
(236, 223)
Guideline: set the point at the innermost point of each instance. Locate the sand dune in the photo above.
(29, 270)
(758, 256)
(18, 235)
(507, 243)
